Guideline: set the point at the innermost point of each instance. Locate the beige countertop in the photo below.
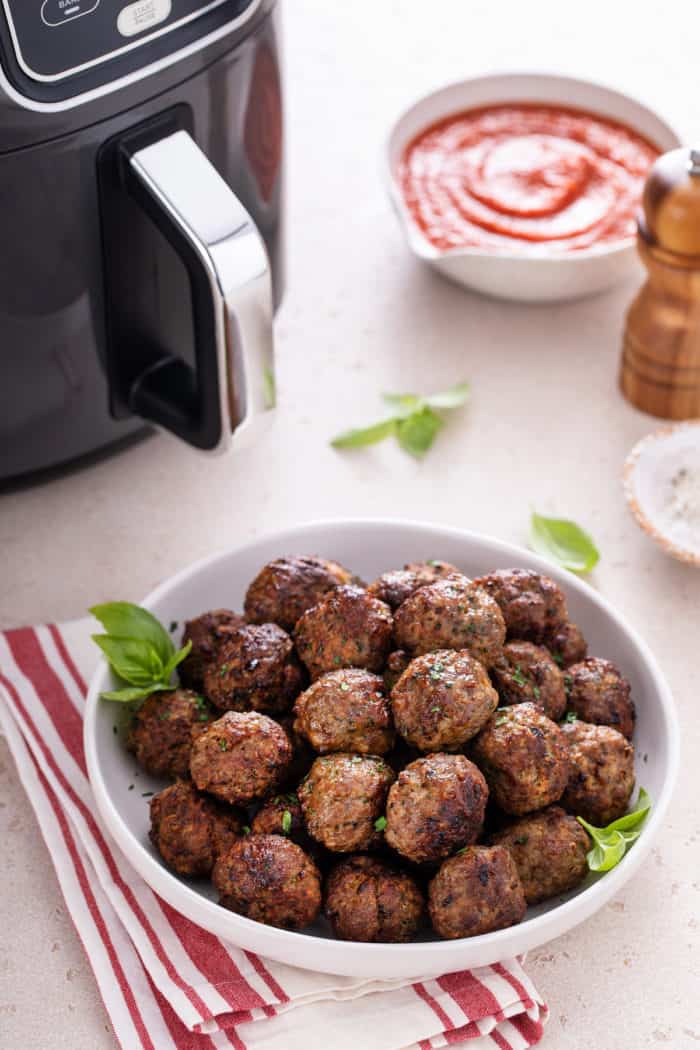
(546, 427)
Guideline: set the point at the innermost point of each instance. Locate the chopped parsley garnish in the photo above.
(223, 746)
(519, 677)
(246, 829)
(536, 691)
(286, 822)
(380, 824)
(345, 687)
(570, 717)
(201, 705)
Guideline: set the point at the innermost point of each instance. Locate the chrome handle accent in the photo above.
(228, 246)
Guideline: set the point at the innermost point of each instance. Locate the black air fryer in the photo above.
(140, 225)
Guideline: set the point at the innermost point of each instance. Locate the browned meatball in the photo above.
(255, 669)
(287, 587)
(602, 773)
(600, 694)
(366, 900)
(436, 805)
(346, 710)
(527, 673)
(190, 830)
(524, 757)
(240, 757)
(342, 798)
(206, 632)
(533, 606)
(396, 664)
(348, 628)
(161, 731)
(433, 569)
(567, 645)
(476, 892)
(396, 586)
(549, 849)
(451, 614)
(269, 879)
(280, 815)
(442, 700)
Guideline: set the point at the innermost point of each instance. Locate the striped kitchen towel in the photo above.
(165, 982)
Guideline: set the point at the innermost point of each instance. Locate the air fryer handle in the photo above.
(233, 386)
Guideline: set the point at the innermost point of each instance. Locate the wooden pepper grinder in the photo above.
(660, 371)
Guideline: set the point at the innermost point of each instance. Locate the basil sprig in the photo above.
(415, 422)
(138, 649)
(612, 842)
(564, 542)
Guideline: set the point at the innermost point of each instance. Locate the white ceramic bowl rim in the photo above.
(425, 249)
(544, 926)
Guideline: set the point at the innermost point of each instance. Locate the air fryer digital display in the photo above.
(56, 39)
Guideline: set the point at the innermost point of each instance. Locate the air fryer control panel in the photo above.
(92, 42)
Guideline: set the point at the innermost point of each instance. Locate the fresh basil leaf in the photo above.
(403, 404)
(417, 432)
(611, 843)
(366, 436)
(176, 659)
(415, 423)
(125, 620)
(606, 854)
(453, 398)
(125, 696)
(137, 662)
(636, 817)
(564, 542)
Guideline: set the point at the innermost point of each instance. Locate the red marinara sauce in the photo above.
(526, 175)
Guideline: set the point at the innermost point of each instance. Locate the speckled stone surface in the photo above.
(546, 426)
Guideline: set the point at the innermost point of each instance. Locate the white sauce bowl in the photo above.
(545, 277)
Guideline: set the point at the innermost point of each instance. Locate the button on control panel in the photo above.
(58, 12)
(142, 15)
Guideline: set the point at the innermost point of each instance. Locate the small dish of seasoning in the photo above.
(662, 486)
(525, 186)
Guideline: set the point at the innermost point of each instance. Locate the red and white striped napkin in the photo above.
(165, 982)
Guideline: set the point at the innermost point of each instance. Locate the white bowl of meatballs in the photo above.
(378, 748)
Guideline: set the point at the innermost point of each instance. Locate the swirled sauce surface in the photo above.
(539, 177)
